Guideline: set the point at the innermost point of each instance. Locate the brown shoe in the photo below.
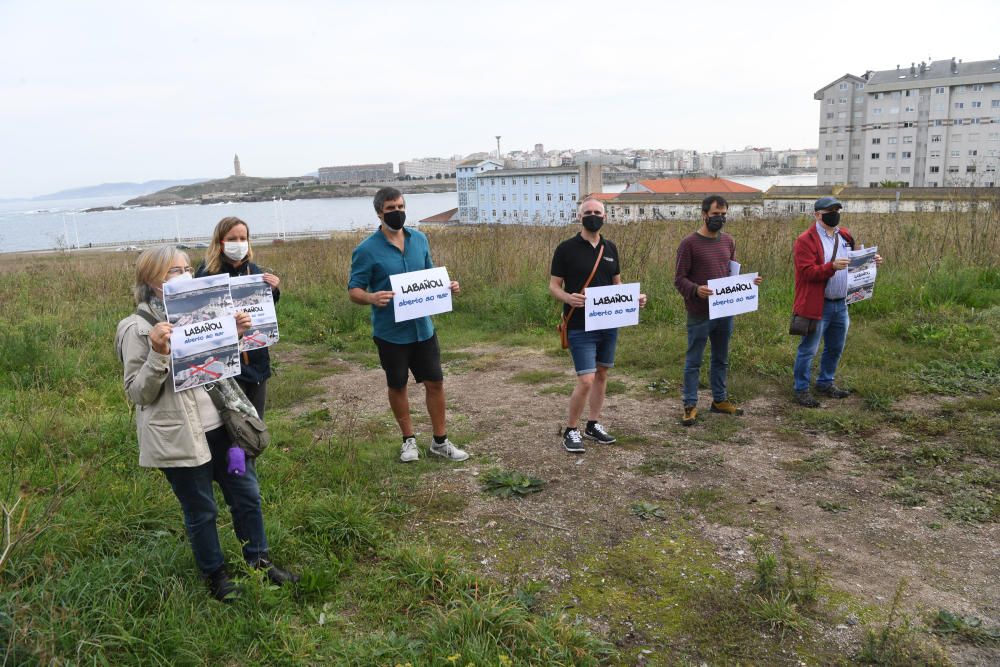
(726, 408)
(690, 415)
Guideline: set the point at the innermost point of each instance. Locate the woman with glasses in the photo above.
(182, 433)
(230, 252)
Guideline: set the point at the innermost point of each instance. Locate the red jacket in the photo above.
(812, 272)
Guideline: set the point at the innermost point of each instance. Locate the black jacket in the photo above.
(255, 364)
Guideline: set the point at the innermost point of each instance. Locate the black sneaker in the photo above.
(833, 391)
(572, 441)
(597, 432)
(278, 576)
(806, 399)
(222, 587)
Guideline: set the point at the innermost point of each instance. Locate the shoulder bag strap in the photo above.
(593, 271)
(147, 316)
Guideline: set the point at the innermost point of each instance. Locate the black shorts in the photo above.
(423, 358)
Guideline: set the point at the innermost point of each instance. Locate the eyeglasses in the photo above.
(178, 270)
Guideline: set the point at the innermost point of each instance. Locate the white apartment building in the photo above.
(427, 167)
(465, 183)
(547, 195)
(929, 125)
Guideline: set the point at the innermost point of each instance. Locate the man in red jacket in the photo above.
(820, 294)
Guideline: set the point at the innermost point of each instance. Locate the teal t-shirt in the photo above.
(373, 261)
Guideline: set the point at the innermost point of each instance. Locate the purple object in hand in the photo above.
(236, 461)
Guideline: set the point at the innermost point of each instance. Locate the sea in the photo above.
(38, 225)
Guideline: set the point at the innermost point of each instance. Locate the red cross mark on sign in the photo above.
(195, 368)
(255, 338)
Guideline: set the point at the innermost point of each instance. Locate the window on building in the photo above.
(904, 170)
(841, 142)
(935, 155)
(939, 108)
(970, 169)
(935, 169)
(859, 100)
(841, 114)
(876, 140)
(891, 140)
(977, 104)
(827, 157)
(909, 109)
(890, 156)
(548, 196)
(573, 196)
(953, 169)
(877, 111)
(524, 181)
(939, 90)
(537, 197)
(560, 196)
(995, 104)
(503, 197)
(935, 138)
(977, 87)
(908, 139)
(858, 114)
(955, 153)
(843, 85)
(959, 105)
(838, 172)
(907, 155)
(908, 123)
(842, 100)
(827, 171)
(938, 122)
(859, 86)
(875, 156)
(890, 171)
(840, 156)
(973, 153)
(855, 156)
(828, 143)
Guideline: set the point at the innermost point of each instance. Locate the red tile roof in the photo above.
(447, 216)
(699, 185)
(602, 196)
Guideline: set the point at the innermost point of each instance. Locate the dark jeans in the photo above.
(718, 331)
(193, 488)
(256, 393)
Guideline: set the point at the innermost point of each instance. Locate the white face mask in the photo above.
(235, 250)
(180, 277)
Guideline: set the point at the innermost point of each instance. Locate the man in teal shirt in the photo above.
(405, 346)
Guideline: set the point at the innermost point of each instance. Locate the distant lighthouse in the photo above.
(236, 166)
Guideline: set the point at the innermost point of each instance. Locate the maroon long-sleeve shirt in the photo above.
(700, 259)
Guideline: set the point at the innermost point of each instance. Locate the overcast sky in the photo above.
(100, 91)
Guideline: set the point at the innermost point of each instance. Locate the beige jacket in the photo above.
(168, 423)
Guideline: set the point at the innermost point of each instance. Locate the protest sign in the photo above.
(253, 296)
(732, 296)
(204, 345)
(420, 293)
(861, 271)
(611, 307)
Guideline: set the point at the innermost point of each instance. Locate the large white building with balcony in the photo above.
(928, 125)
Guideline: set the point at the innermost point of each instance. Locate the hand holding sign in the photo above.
(732, 296)
(421, 293)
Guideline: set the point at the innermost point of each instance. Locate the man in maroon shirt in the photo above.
(702, 256)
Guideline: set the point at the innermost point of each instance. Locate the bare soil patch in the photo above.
(725, 478)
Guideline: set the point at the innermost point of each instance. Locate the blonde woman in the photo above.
(230, 252)
(182, 433)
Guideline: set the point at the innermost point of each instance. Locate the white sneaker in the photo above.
(448, 451)
(409, 452)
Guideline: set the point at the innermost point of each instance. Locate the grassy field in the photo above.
(97, 569)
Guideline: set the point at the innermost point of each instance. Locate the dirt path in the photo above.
(732, 478)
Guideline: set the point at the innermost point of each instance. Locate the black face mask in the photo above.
(394, 219)
(715, 222)
(831, 219)
(592, 222)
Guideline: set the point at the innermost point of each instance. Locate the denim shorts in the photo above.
(591, 349)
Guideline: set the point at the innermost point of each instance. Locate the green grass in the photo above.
(111, 580)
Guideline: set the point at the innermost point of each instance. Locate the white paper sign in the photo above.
(861, 272)
(420, 293)
(204, 352)
(204, 345)
(611, 307)
(253, 296)
(732, 296)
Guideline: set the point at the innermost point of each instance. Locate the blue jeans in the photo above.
(719, 331)
(833, 330)
(193, 488)
(591, 349)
